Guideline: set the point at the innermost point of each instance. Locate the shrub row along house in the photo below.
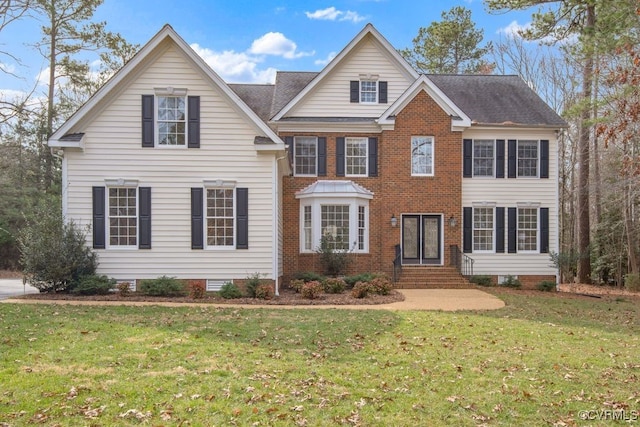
(181, 174)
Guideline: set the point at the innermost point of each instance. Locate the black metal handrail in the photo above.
(462, 262)
(397, 265)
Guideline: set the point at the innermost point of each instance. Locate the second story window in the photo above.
(527, 158)
(306, 155)
(171, 120)
(356, 156)
(368, 91)
(422, 155)
(483, 157)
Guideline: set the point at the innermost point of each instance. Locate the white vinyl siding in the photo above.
(513, 193)
(227, 152)
(331, 98)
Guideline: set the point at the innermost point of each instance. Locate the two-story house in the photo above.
(181, 174)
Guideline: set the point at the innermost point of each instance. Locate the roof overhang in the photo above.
(334, 189)
(69, 141)
(459, 120)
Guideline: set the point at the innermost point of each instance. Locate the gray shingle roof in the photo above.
(496, 99)
(257, 97)
(288, 85)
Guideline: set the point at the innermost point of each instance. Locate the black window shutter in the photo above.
(99, 223)
(544, 158)
(144, 217)
(147, 120)
(373, 156)
(513, 154)
(197, 220)
(544, 230)
(288, 141)
(322, 156)
(382, 92)
(193, 125)
(512, 224)
(467, 226)
(354, 91)
(467, 158)
(500, 158)
(500, 230)
(242, 218)
(340, 156)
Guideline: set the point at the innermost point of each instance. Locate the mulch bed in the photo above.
(286, 297)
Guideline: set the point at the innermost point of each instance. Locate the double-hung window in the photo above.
(422, 155)
(306, 155)
(527, 158)
(172, 121)
(483, 229)
(368, 91)
(356, 156)
(483, 157)
(123, 216)
(527, 231)
(220, 216)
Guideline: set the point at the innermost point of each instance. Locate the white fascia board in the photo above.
(368, 29)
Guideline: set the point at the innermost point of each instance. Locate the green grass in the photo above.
(538, 361)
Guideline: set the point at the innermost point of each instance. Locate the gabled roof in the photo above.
(166, 33)
(366, 31)
(459, 118)
(497, 100)
(257, 97)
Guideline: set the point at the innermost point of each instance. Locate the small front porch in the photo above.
(453, 276)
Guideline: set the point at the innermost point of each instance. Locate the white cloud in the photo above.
(333, 14)
(278, 45)
(7, 68)
(236, 66)
(514, 29)
(325, 61)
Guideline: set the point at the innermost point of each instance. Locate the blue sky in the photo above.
(248, 40)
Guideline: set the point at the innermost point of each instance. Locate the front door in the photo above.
(421, 235)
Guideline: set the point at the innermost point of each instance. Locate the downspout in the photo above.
(276, 216)
(59, 154)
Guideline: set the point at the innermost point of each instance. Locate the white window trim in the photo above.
(433, 155)
(294, 156)
(366, 157)
(120, 183)
(473, 159)
(536, 207)
(538, 159)
(316, 204)
(222, 185)
(172, 92)
(493, 231)
(368, 78)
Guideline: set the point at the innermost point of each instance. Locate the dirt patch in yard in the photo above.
(286, 297)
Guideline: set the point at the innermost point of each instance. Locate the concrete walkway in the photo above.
(14, 287)
(415, 299)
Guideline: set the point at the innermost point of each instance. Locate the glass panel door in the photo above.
(421, 236)
(410, 239)
(431, 239)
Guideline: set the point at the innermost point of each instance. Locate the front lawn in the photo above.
(539, 361)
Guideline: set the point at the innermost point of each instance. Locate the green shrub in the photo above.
(334, 261)
(333, 285)
(296, 285)
(547, 286)
(230, 291)
(381, 285)
(481, 280)
(94, 285)
(362, 277)
(309, 276)
(511, 282)
(252, 282)
(632, 282)
(53, 252)
(360, 290)
(264, 291)
(312, 290)
(162, 287)
(124, 288)
(197, 289)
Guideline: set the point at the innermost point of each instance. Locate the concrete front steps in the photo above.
(428, 277)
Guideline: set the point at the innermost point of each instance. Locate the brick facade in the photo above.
(396, 192)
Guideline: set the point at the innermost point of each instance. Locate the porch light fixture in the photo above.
(452, 221)
(394, 220)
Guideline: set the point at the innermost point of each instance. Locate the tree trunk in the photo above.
(583, 214)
